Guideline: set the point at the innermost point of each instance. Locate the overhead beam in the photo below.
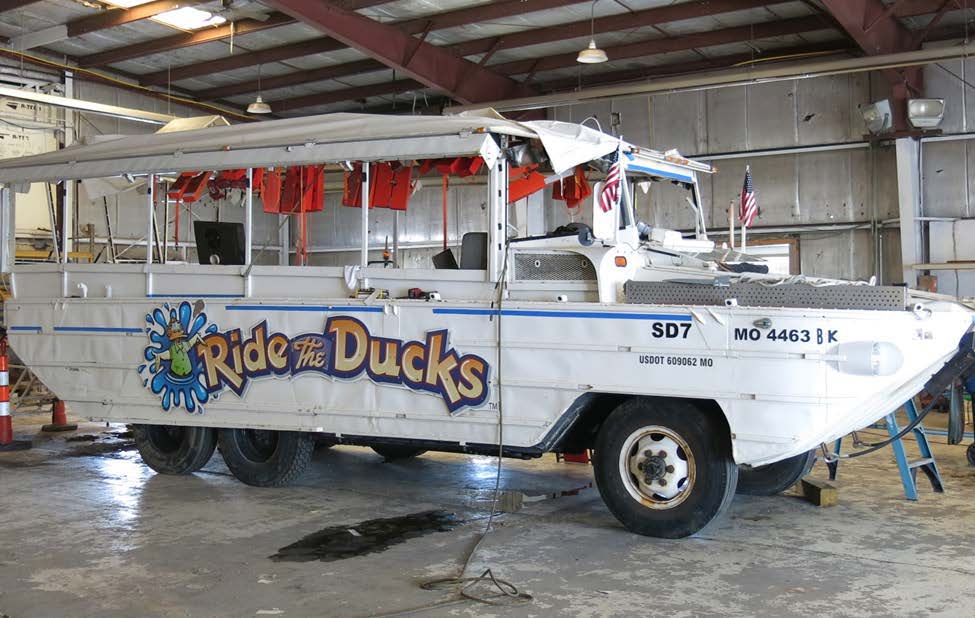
(241, 60)
(654, 46)
(228, 109)
(874, 27)
(118, 17)
(10, 5)
(624, 21)
(108, 18)
(184, 39)
(345, 94)
(291, 79)
(651, 47)
(916, 8)
(705, 64)
(433, 66)
(438, 21)
(566, 84)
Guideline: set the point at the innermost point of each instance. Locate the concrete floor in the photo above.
(87, 530)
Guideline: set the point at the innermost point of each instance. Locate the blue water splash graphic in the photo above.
(172, 368)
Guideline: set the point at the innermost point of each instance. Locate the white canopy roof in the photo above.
(311, 139)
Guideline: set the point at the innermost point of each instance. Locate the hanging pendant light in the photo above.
(258, 106)
(592, 54)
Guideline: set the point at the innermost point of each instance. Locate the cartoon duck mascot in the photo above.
(178, 353)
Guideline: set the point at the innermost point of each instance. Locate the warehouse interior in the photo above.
(850, 119)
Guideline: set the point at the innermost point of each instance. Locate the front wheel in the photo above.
(663, 467)
(265, 458)
(170, 449)
(774, 478)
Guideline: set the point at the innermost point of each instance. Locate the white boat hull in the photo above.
(803, 378)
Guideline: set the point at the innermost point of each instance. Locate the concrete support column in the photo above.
(908, 152)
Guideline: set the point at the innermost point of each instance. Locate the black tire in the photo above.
(696, 448)
(265, 458)
(970, 454)
(169, 449)
(392, 452)
(775, 478)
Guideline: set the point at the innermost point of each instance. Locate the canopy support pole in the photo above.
(249, 216)
(366, 203)
(150, 204)
(445, 185)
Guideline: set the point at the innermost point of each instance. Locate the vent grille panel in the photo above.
(553, 267)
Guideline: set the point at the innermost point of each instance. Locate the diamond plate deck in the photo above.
(796, 295)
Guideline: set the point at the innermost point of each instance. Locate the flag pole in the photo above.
(731, 222)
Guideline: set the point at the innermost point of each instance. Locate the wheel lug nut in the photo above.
(670, 468)
(662, 482)
(662, 454)
(639, 466)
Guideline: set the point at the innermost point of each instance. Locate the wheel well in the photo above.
(592, 409)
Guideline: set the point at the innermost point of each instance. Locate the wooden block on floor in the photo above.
(820, 493)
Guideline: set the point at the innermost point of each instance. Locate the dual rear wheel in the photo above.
(258, 457)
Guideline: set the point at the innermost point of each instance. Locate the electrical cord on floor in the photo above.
(506, 593)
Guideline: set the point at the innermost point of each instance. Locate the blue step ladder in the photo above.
(908, 469)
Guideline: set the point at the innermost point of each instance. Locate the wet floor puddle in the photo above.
(366, 537)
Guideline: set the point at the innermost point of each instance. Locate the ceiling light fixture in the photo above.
(925, 113)
(877, 116)
(189, 18)
(258, 106)
(592, 54)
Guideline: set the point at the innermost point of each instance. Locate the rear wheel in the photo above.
(392, 452)
(265, 458)
(663, 467)
(775, 478)
(169, 449)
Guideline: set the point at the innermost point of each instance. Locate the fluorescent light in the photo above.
(925, 113)
(877, 116)
(126, 4)
(189, 18)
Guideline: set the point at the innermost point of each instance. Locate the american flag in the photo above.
(610, 197)
(749, 207)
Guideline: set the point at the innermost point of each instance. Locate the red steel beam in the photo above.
(241, 60)
(683, 68)
(613, 77)
(664, 45)
(184, 39)
(117, 16)
(448, 19)
(548, 34)
(10, 5)
(433, 66)
(876, 30)
(291, 79)
(916, 8)
(345, 94)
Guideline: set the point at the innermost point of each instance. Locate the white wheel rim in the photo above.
(657, 467)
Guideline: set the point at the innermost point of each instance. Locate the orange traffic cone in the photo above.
(7, 442)
(59, 419)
